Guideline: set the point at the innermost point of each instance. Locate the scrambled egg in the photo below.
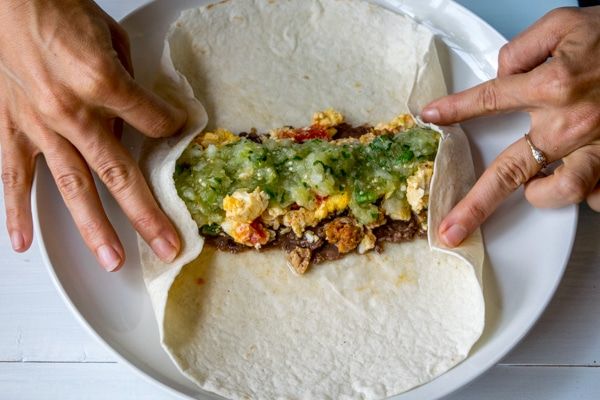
(281, 133)
(397, 208)
(367, 243)
(219, 137)
(241, 209)
(299, 220)
(331, 205)
(246, 234)
(327, 118)
(245, 207)
(250, 221)
(272, 217)
(302, 218)
(417, 187)
(402, 121)
(399, 123)
(367, 137)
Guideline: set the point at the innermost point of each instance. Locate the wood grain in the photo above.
(99, 381)
(75, 381)
(44, 353)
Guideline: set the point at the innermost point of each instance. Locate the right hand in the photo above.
(551, 71)
(65, 84)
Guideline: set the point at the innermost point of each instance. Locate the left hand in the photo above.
(551, 70)
(65, 82)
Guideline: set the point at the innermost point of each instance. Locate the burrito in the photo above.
(316, 192)
(349, 202)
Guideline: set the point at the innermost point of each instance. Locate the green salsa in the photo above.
(301, 173)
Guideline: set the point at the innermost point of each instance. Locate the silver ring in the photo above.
(537, 154)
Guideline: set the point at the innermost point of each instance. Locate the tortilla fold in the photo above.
(365, 326)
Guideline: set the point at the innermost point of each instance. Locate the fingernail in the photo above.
(430, 114)
(17, 241)
(108, 257)
(164, 249)
(454, 235)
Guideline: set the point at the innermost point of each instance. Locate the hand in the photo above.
(551, 70)
(65, 83)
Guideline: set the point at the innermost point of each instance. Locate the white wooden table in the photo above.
(45, 354)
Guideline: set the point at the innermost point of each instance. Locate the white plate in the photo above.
(527, 248)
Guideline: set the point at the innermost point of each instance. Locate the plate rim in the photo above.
(451, 388)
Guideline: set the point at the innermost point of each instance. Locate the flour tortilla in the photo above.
(366, 326)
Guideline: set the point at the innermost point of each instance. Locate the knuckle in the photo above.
(589, 122)
(448, 109)
(147, 222)
(116, 175)
(90, 228)
(488, 98)
(559, 85)
(14, 215)
(72, 184)
(163, 123)
(572, 187)
(505, 57)
(56, 103)
(563, 13)
(13, 178)
(477, 212)
(510, 174)
(100, 79)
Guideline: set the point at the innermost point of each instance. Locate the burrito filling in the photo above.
(317, 192)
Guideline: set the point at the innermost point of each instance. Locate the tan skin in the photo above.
(65, 84)
(552, 72)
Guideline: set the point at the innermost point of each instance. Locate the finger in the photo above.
(77, 188)
(121, 44)
(593, 199)
(121, 175)
(505, 94)
(513, 167)
(531, 47)
(571, 183)
(119, 38)
(140, 108)
(18, 164)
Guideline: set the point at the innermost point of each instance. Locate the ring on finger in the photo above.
(538, 155)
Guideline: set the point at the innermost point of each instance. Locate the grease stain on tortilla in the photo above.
(404, 278)
(363, 288)
(250, 353)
